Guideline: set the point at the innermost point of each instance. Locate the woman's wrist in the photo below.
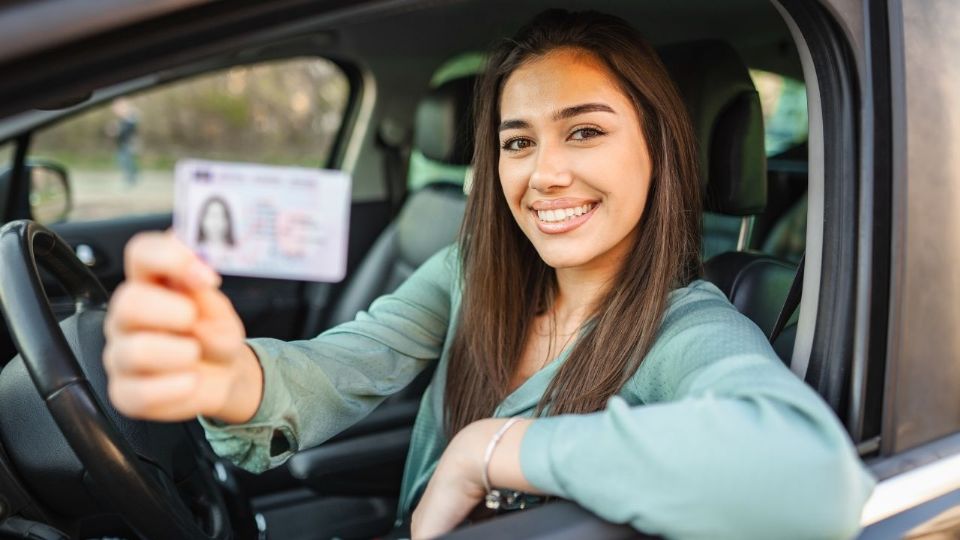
(456, 487)
(244, 390)
(503, 469)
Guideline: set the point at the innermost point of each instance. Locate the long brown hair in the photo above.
(506, 283)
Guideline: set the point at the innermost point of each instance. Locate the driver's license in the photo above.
(263, 220)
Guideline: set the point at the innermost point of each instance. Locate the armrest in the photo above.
(562, 520)
(323, 468)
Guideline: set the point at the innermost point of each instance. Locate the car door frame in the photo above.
(918, 459)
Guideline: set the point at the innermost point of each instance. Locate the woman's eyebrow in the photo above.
(585, 108)
(562, 114)
(513, 124)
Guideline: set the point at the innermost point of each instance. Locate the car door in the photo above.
(99, 174)
(99, 169)
(918, 466)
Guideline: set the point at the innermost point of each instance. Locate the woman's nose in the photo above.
(552, 170)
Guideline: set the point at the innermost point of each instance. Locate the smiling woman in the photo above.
(573, 133)
(579, 136)
(578, 353)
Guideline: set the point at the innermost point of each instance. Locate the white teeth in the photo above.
(563, 214)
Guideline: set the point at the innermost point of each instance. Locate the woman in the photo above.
(215, 227)
(570, 302)
(215, 232)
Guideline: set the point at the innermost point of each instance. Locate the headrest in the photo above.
(430, 220)
(444, 128)
(725, 110)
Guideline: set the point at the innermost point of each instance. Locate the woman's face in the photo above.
(574, 165)
(215, 223)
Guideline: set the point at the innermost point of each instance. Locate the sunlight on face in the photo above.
(574, 165)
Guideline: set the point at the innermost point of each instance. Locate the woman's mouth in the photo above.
(561, 220)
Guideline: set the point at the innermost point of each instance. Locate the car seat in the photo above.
(725, 110)
(427, 221)
(430, 217)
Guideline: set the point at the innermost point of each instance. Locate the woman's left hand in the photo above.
(457, 484)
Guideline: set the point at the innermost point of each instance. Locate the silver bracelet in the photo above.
(493, 499)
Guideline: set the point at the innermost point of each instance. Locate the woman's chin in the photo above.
(561, 257)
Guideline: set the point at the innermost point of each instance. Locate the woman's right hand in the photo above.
(175, 345)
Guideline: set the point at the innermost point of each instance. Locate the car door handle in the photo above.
(86, 254)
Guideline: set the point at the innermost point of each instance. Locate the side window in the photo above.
(784, 104)
(6, 163)
(120, 156)
(781, 231)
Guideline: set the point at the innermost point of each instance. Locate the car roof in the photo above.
(753, 27)
(65, 20)
(409, 27)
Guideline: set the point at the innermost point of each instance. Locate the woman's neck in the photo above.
(579, 291)
(581, 288)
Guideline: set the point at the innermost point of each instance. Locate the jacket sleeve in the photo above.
(727, 443)
(313, 389)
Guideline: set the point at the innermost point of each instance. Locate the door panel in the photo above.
(107, 238)
(268, 307)
(933, 520)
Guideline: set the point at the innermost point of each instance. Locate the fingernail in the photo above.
(202, 274)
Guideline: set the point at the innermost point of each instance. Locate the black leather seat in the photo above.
(757, 284)
(725, 109)
(430, 217)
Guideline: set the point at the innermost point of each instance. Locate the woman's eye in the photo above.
(517, 144)
(585, 133)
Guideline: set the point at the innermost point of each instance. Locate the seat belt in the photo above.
(791, 303)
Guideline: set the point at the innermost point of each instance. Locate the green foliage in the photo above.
(232, 111)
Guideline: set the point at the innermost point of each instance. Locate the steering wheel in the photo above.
(152, 474)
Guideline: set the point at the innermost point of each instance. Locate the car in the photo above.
(830, 230)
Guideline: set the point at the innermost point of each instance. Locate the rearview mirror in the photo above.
(49, 191)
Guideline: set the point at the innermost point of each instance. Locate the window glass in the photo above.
(6, 160)
(6, 155)
(781, 230)
(784, 104)
(121, 155)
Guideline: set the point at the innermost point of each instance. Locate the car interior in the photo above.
(405, 135)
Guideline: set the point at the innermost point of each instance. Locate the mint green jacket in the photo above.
(711, 438)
